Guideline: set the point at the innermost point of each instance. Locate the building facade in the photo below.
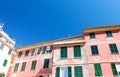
(7, 51)
(93, 54)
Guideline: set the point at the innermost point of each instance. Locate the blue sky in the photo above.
(35, 21)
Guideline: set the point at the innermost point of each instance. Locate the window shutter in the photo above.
(113, 48)
(39, 49)
(19, 54)
(78, 71)
(27, 53)
(109, 33)
(94, 50)
(98, 71)
(23, 66)
(69, 72)
(57, 71)
(46, 63)
(77, 51)
(5, 62)
(16, 67)
(63, 52)
(33, 65)
(44, 49)
(114, 69)
(92, 35)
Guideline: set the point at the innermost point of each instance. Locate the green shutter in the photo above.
(113, 48)
(5, 62)
(77, 51)
(33, 65)
(23, 66)
(44, 49)
(63, 52)
(94, 50)
(39, 49)
(58, 72)
(46, 63)
(69, 72)
(109, 33)
(33, 52)
(78, 71)
(115, 73)
(98, 70)
(27, 53)
(92, 35)
(16, 67)
(19, 54)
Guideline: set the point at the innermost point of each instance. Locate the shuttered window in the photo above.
(114, 70)
(57, 71)
(113, 48)
(92, 35)
(69, 72)
(77, 51)
(46, 63)
(16, 67)
(108, 33)
(78, 71)
(63, 52)
(9, 52)
(5, 62)
(33, 65)
(94, 50)
(19, 54)
(98, 71)
(27, 53)
(23, 66)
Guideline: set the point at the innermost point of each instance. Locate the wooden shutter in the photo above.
(23, 66)
(98, 71)
(94, 50)
(69, 72)
(27, 53)
(78, 71)
(5, 62)
(77, 51)
(46, 63)
(114, 69)
(92, 35)
(109, 33)
(63, 52)
(113, 48)
(57, 72)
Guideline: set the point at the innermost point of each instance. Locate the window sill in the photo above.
(114, 53)
(63, 58)
(77, 57)
(95, 55)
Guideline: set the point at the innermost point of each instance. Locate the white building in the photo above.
(6, 51)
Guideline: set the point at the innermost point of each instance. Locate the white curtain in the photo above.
(63, 72)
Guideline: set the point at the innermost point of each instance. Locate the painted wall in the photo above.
(70, 61)
(28, 72)
(105, 56)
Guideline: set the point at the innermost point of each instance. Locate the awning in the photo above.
(45, 71)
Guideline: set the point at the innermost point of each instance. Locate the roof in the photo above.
(47, 43)
(104, 28)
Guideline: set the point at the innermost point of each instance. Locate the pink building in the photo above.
(103, 48)
(94, 54)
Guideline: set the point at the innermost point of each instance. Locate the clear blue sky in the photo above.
(35, 21)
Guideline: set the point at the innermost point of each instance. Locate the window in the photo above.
(113, 48)
(63, 72)
(46, 63)
(0, 35)
(1, 46)
(47, 49)
(27, 53)
(19, 54)
(92, 35)
(16, 67)
(9, 52)
(36, 51)
(98, 71)
(115, 73)
(23, 66)
(94, 50)
(33, 65)
(5, 62)
(63, 52)
(78, 71)
(77, 51)
(108, 33)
